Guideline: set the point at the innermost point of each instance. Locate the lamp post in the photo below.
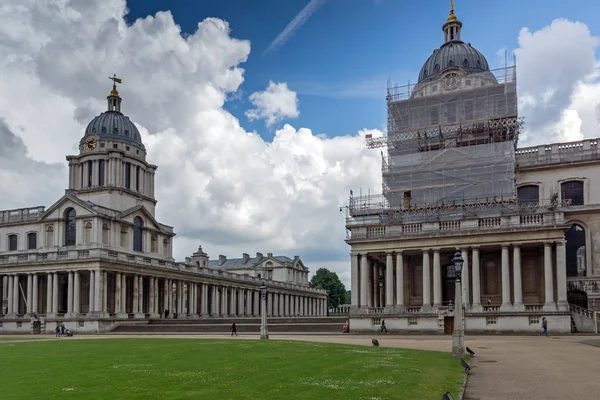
(380, 283)
(264, 334)
(458, 333)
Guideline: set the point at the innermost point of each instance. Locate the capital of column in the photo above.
(516, 244)
(355, 253)
(560, 242)
(390, 252)
(426, 250)
(505, 245)
(436, 249)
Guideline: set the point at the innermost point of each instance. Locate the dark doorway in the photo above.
(448, 325)
(578, 297)
(575, 250)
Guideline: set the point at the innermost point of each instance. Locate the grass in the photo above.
(221, 369)
(5, 338)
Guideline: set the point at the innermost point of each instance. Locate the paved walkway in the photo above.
(504, 367)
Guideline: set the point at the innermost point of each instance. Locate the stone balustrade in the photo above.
(557, 153)
(21, 215)
(584, 312)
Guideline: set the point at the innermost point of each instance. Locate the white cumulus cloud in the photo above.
(274, 104)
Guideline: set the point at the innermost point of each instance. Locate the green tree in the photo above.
(327, 280)
(348, 297)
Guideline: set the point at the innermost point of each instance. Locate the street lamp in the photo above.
(264, 334)
(458, 333)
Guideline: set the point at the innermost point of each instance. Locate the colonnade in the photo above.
(367, 275)
(120, 295)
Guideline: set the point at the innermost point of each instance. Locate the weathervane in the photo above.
(115, 81)
(452, 17)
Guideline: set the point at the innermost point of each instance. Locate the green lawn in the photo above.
(221, 369)
(5, 338)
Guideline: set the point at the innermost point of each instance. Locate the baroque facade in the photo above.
(98, 257)
(527, 220)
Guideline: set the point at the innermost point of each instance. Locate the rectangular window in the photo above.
(528, 194)
(137, 178)
(101, 173)
(127, 175)
(32, 241)
(89, 174)
(12, 243)
(573, 192)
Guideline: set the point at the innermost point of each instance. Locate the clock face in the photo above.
(90, 144)
(451, 81)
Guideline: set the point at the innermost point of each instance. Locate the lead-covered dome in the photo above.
(454, 54)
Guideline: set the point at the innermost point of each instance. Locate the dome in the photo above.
(453, 54)
(114, 125)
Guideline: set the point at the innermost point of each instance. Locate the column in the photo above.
(48, 293)
(16, 295)
(506, 304)
(224, 306)
(476, 281)
(550, 304)
(233, 302)
(141, 294)
(375, 291)
(518, 289)
(241, 303)
(97, 290)
(204, 299)
(124, 293)
(135, 302)
(70, 293)
(55, 293)
(354, 279)
(92, 296)
(400, 281)
(465, 278)
(104, 292)
(10, 297)
(437, 279)
(426, 282)
(118, 293)
(364, 281)
(561, 276)
(389, 280)
(76, 293)
(34, 305)
(29, 305)
(256, 303)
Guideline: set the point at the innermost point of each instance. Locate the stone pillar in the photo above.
(354, 280)
(224, 307)
(256, 303)
(10, 296)
(35, 297)
(76, 293)
(550, 305)
(476, 281)
(364, 281)
(48, 294)
(241, 302)
(465, 275)
(389, 280)
(561, 276)
(141, 295)
(426, 282)
(135, 302)
(506, 303)
(437, 279)
(70, 294)
(204, 299)
(152, 294)
(118, 293)
(28, 306)
(91, 294)
(375, 283)
(104, 292)
(97, 290)
(399, 281)
(55, 293)
(518, 285)
(233, 302)
(124, 294)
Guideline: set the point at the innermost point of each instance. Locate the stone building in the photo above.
(98, 257)
(527, 220)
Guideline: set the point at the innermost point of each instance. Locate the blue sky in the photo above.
(340, 59)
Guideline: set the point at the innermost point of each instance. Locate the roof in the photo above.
(250, 262)
(114, 125)
(454, 54)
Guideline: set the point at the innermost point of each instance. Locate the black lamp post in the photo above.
(264, 334)
(458, 334)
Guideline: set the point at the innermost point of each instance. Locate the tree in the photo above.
(348, 297)
(327, 280)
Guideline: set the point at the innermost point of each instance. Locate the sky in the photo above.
(256, 112)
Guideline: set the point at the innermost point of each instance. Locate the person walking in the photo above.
(233, 329)
(544, 327)
(383, 328)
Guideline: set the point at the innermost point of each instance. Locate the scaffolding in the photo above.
(451, 140)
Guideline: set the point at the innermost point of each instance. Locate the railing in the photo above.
(491, 308)
(34, 258)
(584, 312)
(557, 153)
(413, 310)
(534, 307)
(21, 214)
(341, 310)
(376, 310)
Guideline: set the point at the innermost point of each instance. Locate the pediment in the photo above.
(140, 211)
(58, 209)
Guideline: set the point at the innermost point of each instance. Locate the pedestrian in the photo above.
(489, 301)
(383, 328)
(233, 329)
(544, 327)
(62, 330)
(57, 330)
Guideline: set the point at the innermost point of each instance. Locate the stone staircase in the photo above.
(586, 321)
(244, 325)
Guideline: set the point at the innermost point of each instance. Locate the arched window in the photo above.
(124, 241)
(105, 234)
(528, 194)
(575, 249)
(153, 244)
(573, 191)
(49, 236)
(87, 232)
(32, 241)
(138, 224)
(70, 227)
(12, 242)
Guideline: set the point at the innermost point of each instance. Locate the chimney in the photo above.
(246, 257)
(270, 255)
(222, 259)
(296, 258)
(259, 256)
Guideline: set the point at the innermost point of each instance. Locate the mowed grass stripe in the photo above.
(221, 369)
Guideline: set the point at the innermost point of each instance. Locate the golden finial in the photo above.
(452, 17)
(115, 81)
